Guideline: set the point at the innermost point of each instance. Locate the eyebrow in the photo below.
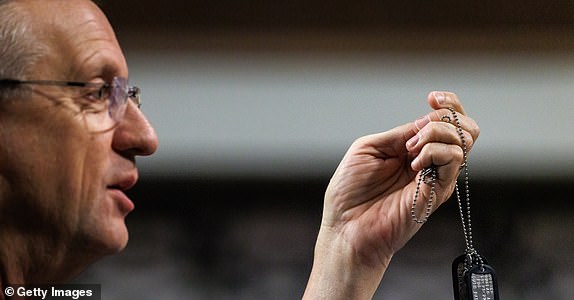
(100, 66)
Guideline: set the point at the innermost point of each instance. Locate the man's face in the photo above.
(59, 181)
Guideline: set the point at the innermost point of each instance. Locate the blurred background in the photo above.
(255, 102)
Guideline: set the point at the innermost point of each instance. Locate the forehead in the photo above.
(82, 43)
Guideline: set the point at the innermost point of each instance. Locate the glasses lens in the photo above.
(118, 98)
(115, 99)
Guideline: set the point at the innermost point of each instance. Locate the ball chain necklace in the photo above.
(473, 278)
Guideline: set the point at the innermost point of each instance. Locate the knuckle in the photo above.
(469, 140)
(473, 127)
(456, 153)
(361, 140)
(475, 131)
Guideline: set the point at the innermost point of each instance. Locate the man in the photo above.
(67, 153)
(69, 137)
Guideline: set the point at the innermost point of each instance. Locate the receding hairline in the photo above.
(21, 48)
(20, 51)
(26, 40)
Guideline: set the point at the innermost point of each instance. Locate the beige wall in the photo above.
(295, 113)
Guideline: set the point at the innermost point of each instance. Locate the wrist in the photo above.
(342, 271)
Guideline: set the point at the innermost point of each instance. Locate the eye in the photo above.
(97, 94)
(94, 98)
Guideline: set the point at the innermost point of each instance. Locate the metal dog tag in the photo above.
(477, 282)
(458, 282)
(481, 282)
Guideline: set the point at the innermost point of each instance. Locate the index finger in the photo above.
(443, 99)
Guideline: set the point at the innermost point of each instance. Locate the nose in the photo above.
(134, 135)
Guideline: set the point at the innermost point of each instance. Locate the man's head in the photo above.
(64, 163)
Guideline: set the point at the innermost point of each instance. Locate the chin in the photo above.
(117, 240)
(110, 240)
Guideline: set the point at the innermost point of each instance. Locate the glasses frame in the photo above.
(118, 92)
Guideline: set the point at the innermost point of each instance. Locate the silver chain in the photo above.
(471, 253)
(424, 178)
(464, 209)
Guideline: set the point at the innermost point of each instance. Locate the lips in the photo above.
(124, 182)
(117, 190)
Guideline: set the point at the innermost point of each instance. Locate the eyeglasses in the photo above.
(113, 96)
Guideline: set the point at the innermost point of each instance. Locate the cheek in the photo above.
(55, 180)
(89, 174)
(101, 226)
(52, 169)
(41, 187)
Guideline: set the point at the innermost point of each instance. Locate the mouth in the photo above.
(125, 182)
(114, 187)
(117, 191)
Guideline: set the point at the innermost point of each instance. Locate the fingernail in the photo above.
(440, 97)
(413, 141)
(421, 122)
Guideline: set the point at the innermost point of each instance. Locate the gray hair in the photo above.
(19, 49)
